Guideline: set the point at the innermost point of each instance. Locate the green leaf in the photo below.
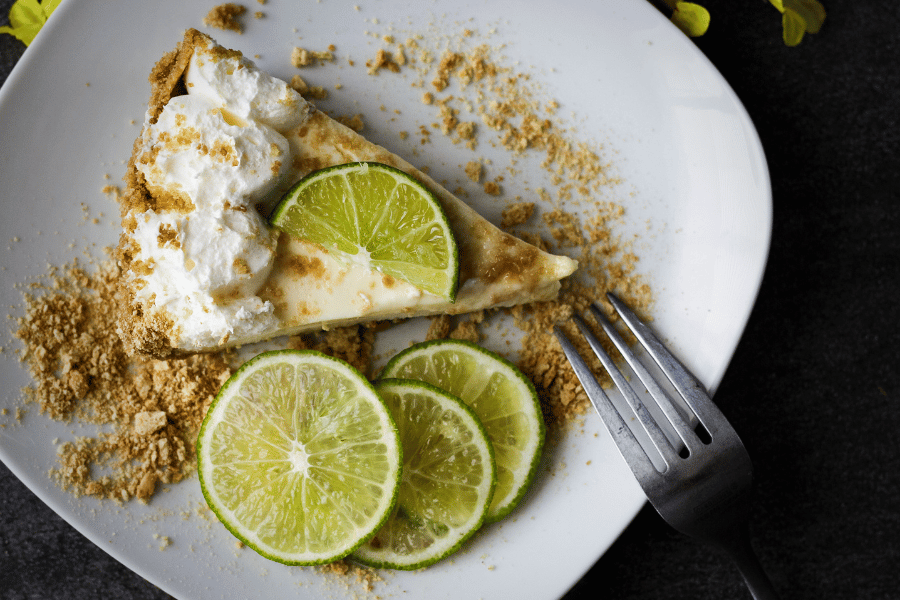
(27, 17)
(794, 27)
(691, 18)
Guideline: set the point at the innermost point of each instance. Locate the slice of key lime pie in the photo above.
(202, 268)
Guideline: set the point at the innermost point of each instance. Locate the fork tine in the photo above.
(659, 440)
(657, 437)
(693, 392)
(630, 449)
(663, 400)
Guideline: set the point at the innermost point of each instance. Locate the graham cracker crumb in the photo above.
(467, 327)
(383, 60)
(491, 188)
(516, 214)
(307, 91)
(473, 171)
(147, 422)
(365, 577)
(301, 57)
(439, 328)
(353, 344)
(467, 330)
(355, 122)
(225, 17)
(400, 56)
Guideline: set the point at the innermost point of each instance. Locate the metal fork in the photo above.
(703, 489)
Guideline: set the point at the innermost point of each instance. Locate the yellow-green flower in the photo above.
(26, 17)
(690, 18)
(799, 17)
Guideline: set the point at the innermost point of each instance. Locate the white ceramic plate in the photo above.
(695, 186)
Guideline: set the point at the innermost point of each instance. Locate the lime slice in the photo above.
(376, 216)
(448, 478)
(502, 397)
(299, 457)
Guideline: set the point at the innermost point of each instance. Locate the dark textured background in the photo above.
(813, 387)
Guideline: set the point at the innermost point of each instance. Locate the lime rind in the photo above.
(416, 246)
(328, 511)
(467, 371)
(440, 505)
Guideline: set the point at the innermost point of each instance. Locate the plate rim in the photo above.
(34, 53)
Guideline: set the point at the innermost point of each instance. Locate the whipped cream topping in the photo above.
(208, 158)
(196, 151)
(246, 92)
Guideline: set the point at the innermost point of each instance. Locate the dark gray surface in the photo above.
(813, 387)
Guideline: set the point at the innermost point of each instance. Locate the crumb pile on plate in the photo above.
(81, 371)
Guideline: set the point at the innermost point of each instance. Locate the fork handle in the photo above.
(741, 552)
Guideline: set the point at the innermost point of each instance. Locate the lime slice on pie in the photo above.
(448, 478)
(377, 216)
(299, 457)
(502, 397)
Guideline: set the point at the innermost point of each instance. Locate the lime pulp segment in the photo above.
(502, 397)
(299, 457)
(377, 216)
(448, 478)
